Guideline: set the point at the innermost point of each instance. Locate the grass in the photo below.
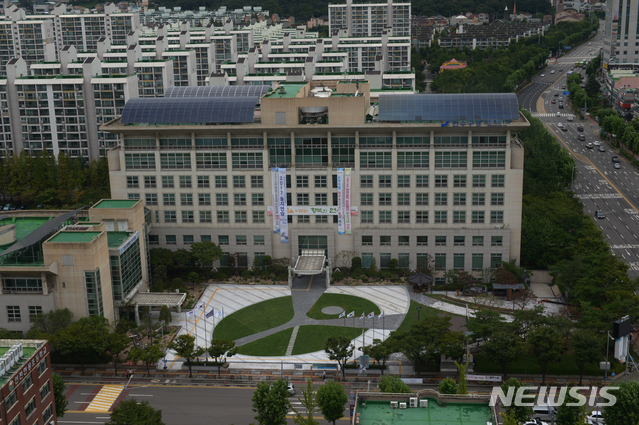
(255, 318)
(311, 338)
(527, 364)
(411, 316)
(272, 345)
(347, 302)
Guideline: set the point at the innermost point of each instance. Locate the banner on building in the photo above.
(282, 205)
(275, 195)
(340, 201)
(347, 200)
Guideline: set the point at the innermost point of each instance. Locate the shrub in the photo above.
(393, 264)
(245, 274)
(338, 276)
(448, 386)
(356, 263)
(221, 276)
(267, 261)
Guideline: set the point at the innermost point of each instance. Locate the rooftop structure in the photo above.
(494, 35)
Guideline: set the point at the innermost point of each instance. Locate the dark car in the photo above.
(564, 128)
(556, 94)
(615, 159)
(561, 106)
(580, 128)
(581, 137)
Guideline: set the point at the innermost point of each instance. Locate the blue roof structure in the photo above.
(204, 110)
(448, 107)
(217, 91)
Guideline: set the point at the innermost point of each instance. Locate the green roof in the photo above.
(24, 227)
(116, 238)
(74, 237)
(27, 352)
(291, 90)
(116, 203)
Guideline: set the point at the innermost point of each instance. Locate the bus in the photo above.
(582, 64)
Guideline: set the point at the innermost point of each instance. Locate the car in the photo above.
(589, 145)
(6, 207)
(561, 69)
(552, 72)
(581, 137)
(12, 207)
(595, 417)
(561, 106)
(543, 75)
(536, 422)
(600, 214)
(558, 114)
(602, 148)
(580, 128)
(563, 87)
(564, 128)
(561, 99)
(617, 165)
(291, 388)
(615, 159)
(553, 101)
(596, 143)
(556, 94)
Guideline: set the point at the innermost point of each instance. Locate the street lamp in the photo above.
(418, 309)
(607, 350)
(150, 330)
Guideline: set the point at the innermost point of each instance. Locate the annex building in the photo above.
(314, 166)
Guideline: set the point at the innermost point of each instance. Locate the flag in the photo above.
(210, 313)
(381, 314)
(190, 313)
(363, 315)
(200, 306)
(342, 315)
(219, 313)
(371, 315)
(351, 314)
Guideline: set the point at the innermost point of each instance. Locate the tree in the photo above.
(547, 346)
(309, 402)
(344, 258)
(270, 402)
(626, 410)
(195, 278)
(184, 346)
(423, 341)
(132, 412)
(447, 386)
(331, 399)
(381, 351)
(393, 384)
(521, 413)
(206, 253)
(61, 401)
(221, 349)
(485, 323)
(116, 344)
(165, 315)
(463, 382)
(48, 324)
(570, 415)
(83, 339)
(147, 355)
(587, 347)
(340, 349)
(504, 348)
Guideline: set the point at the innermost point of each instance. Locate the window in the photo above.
(167, 182)
(458, 261)
(257, 182)
(364, 181)
(459, 199)
(421, 180)
(403, 199)
(498, 180)
(496, 216)
(258, 239)
(27, 383)
(45, 390)
(367, 241)
(415, 159)
(384, 260)
(366, 199)
(150, 182)
(185, 182)
(421, 217)
(478, 241)
(239, 199)
(35, 310)
(403, 260)
(220, 182)
(440, 240)
(240, 217)
(13, 313)
(403, 241)
(151, 199)
(489, 159)
(385, 199)
(441, 217)
(479, 199)
(11, 400)
(240, 240)
(203, 182)
(441, 181)
(403, 181)
(210, 161)
(134, 196)
(206, 217)
(132, 182)
(303, 219)
(367, 216)
(221, 199)
(259, 217)
(247, 160)
(478, 217)
(321, 199)
(459, 240)
(496, 240)
(479, 180)
(170, 217)
(440, 261)
(30, 407)
(257, 199)
(403, 217)
(168, 199)
(421, 199)
(303, 199)
(495, 261)
(496, 199)
(375, 160)
(239, 181)
(384, 240)
(334, 181)
(223, 239)
(204, 199)
(385, 216)
(385, 181)
(223, 217)
(459, 217)
(441, 199)
(422, 240)
(478, 261)
(459, 180)
(175, 161)
(321, 219)
(186, 199)
(455, 159)
(154, 240)
(139, 161)
(187, 239)
(171, 239)
(24, 284)
(47, 414)
(187, 217)
(302, 181)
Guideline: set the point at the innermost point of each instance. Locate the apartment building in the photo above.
(370, 19)
(621, 35)
(437, 175)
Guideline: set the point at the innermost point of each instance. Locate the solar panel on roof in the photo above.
(448, 107)
(218, 91)
(213, 110)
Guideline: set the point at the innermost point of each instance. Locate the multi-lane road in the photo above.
(599, 185)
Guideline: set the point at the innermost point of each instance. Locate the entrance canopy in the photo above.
(310, 262)
(156, 299)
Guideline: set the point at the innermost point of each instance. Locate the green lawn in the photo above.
(528, 364)
(272, 345)
(347, 302)
(411, 316)
(255, 318)
(311, 338)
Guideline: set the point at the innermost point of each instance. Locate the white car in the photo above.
(535, 422)
(560, 125)
(596, 143)
(595, 418)
(291, 388)
(543, 75)
(552, 72)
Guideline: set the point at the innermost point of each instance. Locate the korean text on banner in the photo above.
(282, 205)
(274, 193)
(347, 200)
(340, 201)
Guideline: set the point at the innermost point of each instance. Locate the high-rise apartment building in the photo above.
(370, 19)
(621, 34)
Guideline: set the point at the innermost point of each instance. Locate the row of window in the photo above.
(422, 259)
(367, 240)
(14, 313)
(440, 199)
(203, 182)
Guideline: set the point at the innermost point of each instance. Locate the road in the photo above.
(597, 183)
(195, 405)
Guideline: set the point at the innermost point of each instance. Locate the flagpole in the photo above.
(373, 326)
(223, 326)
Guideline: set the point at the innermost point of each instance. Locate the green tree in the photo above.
(393, 384)
(423, 341)
(184, 346)
(309, 402)
(340, 349)
(220, 349)
(132, 412)
(165, 315)
(570, 415)
(381, 351)
(116, 343)
(83, 339)
(587, 347)
(484, 324)
(148, 355)
(625, 411)
(521, 413)
(463, 383)
(270, 402)
(448, 386)
(195, 278)
(206, 253)
(48, 325)
(61, 401)
(504, 348)
(331, 399)
(509, 418)
(547, 347)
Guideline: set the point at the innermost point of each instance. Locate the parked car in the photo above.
(615, 159)
(595, 418)
(291, 388)
(564, 128)
(553, 101)
(556, 94)
(552, 72)
(543, 413)
(6, 207)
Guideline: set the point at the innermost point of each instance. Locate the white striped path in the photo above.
(105, 398)
(540, 115)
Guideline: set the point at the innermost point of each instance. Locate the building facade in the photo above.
(621, 35)
(370, 19)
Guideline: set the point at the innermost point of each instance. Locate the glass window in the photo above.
(385, 199)
(185, 182)
(478, 217)
(223, 217)
(205, 238)
(257, 199)
(203, 182)
(241, 217)
(367, 216)
(259, 217)
(384, 260)
(459, 180)
(206, 217)
(239, 199)
(478, 241)
(258, 239)
(479, 199)
(496, 216)
(479, 180)
(498, 180)
(385, 240)
(495, 261)
(455, 159)
(167, 182)
(496, 199)
(240, 239)
(385, 216)
(320, 181)
(441, 181)
(421, 199)
(403, 260)
(375, 159)
(478, 261)
(458, 261)
(459, 217)
(366, 199)
(367, 259)
(220, 182)
(403, 240)
(459, 240)
(367, 241)
(170, 217)
(13, 313)
(403, 181)
(459, 199)
(302, 181)
(303, 199)
(321, 199)
(171, 239)
(150, 182)
(421, 180)
(223, 239)
(422, 240)
(489, 159)
(364, 181)
(321, 219)
(132, 182)
(187, 239)
(303, 219)
(440, 240)
(421, 217)
(403, 217)
(441, 199)
(186, 199)
(441, 217)
(239, 181)
(187, 217)
(204, 199)
(385, 181)
(496, 240)
(440, 261)
(151, 199)
(221, 199)
(168, 198)
(403, 199)
(257, 182)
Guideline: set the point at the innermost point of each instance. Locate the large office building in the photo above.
(313, 166)
(621, 35)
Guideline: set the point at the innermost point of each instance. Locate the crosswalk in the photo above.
(105, 398)
(540, 115)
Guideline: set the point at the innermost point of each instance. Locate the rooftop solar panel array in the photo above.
(210, 110)
(217, 91)
(448, 107)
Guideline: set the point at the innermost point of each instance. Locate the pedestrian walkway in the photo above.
(547, 115)
(105, 399)
(449, 307)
